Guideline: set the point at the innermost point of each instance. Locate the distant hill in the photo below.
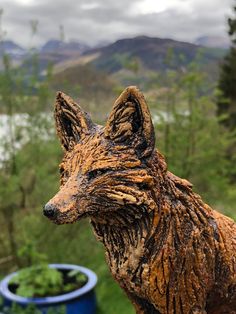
(58, 46)
(153, 53)
(213, 42)
(16, 52)
(83, 77)
(123, 57)
(94, 88)
(11, 48)
(53, 52)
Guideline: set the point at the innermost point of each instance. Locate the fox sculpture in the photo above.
(167, 249)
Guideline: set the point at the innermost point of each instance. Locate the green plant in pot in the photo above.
(41, 280)
(50, 287)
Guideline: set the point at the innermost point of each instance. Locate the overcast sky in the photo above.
(92, 21)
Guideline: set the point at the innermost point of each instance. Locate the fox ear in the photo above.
(130, 122)
(72, 123)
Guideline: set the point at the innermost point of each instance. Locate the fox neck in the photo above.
(160, 222)
(165, 232)
(123, 233)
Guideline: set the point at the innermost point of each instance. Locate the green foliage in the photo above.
(80, 277)
(17, 309)
(227, 81)
(38, 281)
(29, 253)
(232, 27)
(227, 95)
(189, 133)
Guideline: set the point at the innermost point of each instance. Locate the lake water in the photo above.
(17, 129)
(20, 127)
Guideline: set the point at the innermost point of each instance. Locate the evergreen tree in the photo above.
(227, 81)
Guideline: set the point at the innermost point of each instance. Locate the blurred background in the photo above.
(180, 53)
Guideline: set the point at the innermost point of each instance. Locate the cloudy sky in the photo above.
(93, 21)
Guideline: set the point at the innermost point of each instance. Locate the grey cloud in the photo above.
(95, 20)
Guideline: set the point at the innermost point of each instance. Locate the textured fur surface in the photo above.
(167, 249)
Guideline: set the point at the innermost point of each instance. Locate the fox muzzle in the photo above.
(50, 211)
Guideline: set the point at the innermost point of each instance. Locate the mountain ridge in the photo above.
(153, 53)
(150, 53)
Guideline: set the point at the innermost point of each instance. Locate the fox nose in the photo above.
(50, 211)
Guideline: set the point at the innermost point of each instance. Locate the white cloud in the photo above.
(153, 6)
(95, 20)
(24, 2)
(89, 6)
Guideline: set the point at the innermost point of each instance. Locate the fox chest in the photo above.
(129, 269)
(125, 254)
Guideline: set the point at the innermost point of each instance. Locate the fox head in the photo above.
(104, 172)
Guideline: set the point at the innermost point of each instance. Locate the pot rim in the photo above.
(92, 280)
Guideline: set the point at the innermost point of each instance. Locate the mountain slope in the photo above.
(11, 48)
(54, 52)
(153, 54)
(14, 51)
(213, 42)
(56, 46)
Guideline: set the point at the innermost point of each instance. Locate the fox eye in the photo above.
(64, 175)
(95, 173)
(144, 186)
(63, 172)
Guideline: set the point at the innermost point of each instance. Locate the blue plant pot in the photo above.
(80, 301)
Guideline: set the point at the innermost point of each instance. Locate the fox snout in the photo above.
(50, 211)
(63, 208)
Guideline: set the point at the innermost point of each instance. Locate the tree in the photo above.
(227, 81)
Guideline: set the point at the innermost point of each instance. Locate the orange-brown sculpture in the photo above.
(167, 249)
